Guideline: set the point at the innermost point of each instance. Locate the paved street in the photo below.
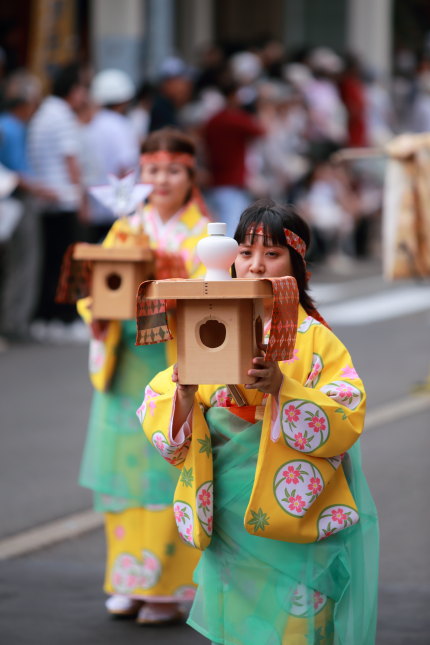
(52, 596)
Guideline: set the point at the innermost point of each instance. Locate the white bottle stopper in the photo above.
(217, 252)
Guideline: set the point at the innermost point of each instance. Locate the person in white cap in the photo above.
(109, 143)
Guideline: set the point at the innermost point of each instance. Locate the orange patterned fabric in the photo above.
(283, 327)
(169, 265)
(75, 278)
(151, 320)
(152, 326)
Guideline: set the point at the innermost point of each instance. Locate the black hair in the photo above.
(66, 79)
(274, 218)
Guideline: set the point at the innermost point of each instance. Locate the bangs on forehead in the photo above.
(273, 231)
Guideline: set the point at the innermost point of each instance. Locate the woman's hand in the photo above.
(184, 401)
(268, 376)
(184, 391)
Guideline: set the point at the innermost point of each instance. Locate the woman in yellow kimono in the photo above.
(148, 568)
(286, 520)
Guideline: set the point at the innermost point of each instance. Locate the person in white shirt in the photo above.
(110, 145)
(53, 148)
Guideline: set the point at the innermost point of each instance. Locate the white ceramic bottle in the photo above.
(217, 252)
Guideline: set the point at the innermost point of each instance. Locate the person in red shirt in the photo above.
(226, 136)
(352, 93)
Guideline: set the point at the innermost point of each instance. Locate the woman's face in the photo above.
(171, 182)
(262, 260)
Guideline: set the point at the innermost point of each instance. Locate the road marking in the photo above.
(50, 533)
(396, 410)
(80, 523)
(378, 306)
(326, 292)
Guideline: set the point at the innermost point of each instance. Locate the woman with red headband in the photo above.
(287, 524)
(148, 568)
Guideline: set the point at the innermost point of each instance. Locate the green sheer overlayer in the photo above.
(122, 468)
(257, 591)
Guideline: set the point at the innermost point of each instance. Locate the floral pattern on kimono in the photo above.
(300, 491)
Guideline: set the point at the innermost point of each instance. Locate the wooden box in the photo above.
(117, 274)
(219, 326)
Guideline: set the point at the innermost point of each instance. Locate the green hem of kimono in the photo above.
(119, 464)
(248, 585)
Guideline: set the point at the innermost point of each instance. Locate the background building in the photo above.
(137, 35)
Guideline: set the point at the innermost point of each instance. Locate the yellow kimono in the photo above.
(132, 486)
(292, 480)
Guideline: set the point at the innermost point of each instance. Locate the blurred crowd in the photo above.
(266, 123)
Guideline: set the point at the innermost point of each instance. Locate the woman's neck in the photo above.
(167, 213)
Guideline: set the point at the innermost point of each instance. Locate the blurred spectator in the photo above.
(331, 206)
(246, 69)
(212, 67)
(353, 95)
(403, 86)
(110, 145)
(20, 251)
(139, 113)
(380, 116)
(226, 137)
(327, 112)
(277, 160)
(53, 145)
(174, 90)
(272, 55)
(420, 109)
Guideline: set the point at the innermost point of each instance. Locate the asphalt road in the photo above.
(53, 595)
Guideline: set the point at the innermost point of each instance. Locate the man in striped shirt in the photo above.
(53, 150)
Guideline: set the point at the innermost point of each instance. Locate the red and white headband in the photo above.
(292, 239)
(164, 156)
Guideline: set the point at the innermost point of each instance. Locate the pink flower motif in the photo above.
(295, 356)
(349, 372)
(151, 564)
(131, 581)
(159, 444)
(317, 424)
(291, 475)
(152, 406)
(117, 579)
(345, 391)
(205, 497)
(179, 514)
(315, 485)
(222, 398)
(189, 533)
(296, 503)
(210, 524)
(315, 371)
(188, 594)
(119, 532)
(149, 392)
(292, 413)
(300, 441)
(318, 599)
(126, 562)
(337, 515)
(141, 411)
